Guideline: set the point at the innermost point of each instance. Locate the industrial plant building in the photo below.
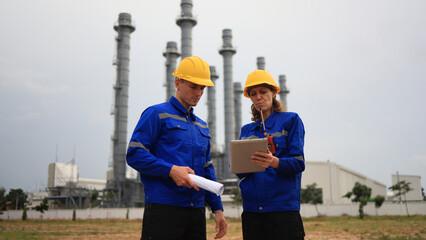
(119, 189)
(415, 194)
(336, 180)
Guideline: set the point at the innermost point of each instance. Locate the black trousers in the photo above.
(165, 222)
(272, 226)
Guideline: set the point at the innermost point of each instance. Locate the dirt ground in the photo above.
(327, 229)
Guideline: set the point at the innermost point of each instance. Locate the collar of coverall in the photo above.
(181, 108)
(268, 122)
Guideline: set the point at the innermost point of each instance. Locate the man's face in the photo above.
(188, 93)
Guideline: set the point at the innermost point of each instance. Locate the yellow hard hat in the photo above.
(195, 70)
(259, 77)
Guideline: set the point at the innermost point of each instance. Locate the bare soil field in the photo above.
(327, 228)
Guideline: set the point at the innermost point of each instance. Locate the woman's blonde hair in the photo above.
(276, 105)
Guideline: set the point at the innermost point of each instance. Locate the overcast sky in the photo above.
(356, 71)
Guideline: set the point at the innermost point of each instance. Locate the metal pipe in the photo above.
(238, 91)
(283, 92)
(261, 63)
(186, 22)
(171, 55)
(211, 108)
(119, 138)
(227, 51)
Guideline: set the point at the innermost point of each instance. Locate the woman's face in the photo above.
(261, 97)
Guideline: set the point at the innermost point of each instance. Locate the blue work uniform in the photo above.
(276, 189)
(166, 135)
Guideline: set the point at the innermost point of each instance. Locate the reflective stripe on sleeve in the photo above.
(138, 145)
(300, 158)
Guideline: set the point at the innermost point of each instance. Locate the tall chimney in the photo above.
(171, 55)
(121, 88)
(227, 51)
(284, 91)
(211, 108)
(238, 91)
(186, 22)
(261, 63)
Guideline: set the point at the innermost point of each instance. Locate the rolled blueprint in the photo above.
(207, 184)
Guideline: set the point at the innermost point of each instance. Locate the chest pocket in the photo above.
(280, 141)
(175, 131)
(203, 142)
(205, 136)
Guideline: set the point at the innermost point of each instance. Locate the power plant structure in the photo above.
(67, 190)
(260, 63)
(284, 91)
(186, 21)
(171, 54)
(123, 191)
(227, 51)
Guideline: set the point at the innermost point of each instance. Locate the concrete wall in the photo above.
(350, 209)
(94, 213)
(231, 211)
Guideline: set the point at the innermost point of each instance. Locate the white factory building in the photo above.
(336, 180)
(413, 195)
(66, 175)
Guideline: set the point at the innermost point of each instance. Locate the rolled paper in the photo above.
(207, 184)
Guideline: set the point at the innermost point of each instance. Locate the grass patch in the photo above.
(327, 228)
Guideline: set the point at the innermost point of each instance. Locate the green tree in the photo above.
(94, 199)
(42, 207)
(74, 215)
(24, 214)
(400, 189)
(361, 194)
(378, 201)
(2, 200)
(17, 197)
(311, 194)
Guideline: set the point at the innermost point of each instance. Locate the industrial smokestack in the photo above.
(216, 156)
(261, 63)
(227, 51)
(186, 22)
(211, 108)
(171, 55)
(121, 88)
(238, 91)
(284, 91)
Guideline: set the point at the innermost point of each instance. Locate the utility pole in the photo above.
(397, 178)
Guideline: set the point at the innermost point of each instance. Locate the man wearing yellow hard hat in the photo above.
(168, 143)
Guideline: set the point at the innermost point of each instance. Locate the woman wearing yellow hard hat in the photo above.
(271, 199)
